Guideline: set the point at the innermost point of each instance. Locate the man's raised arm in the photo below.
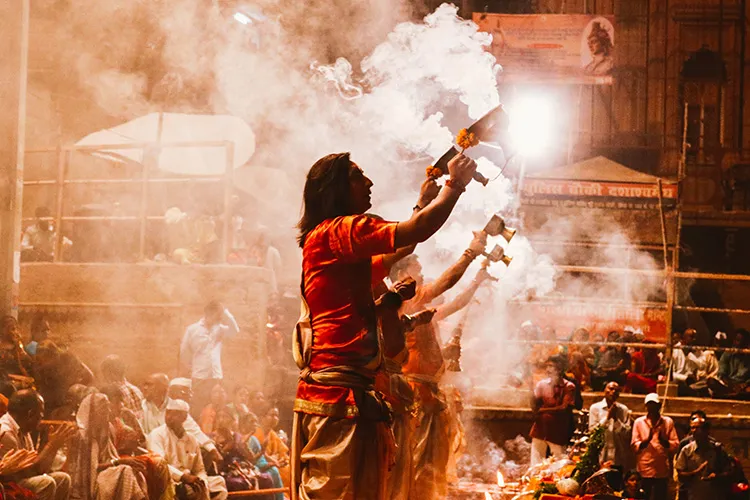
(426, 222)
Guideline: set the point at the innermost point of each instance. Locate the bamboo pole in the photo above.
(62, 156)
(663, 221)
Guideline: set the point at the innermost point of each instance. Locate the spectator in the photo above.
(183, 454)
(180, 388)
(154, 404)
(733, 377)
(238, 467)
(208, 415)
(554, 398)
(38, 242)
(240, 401)
(257, 402)
(580, 359)
(25, 410)
(702, 465)
(615, 417)
(273, 444)
(113, 372)
(264, 463)
(73, 398)
(612, 364)
(654, 441)
(646, 369)
(98, 472)
(632, 487)
(263, 254)
(200, 351)
(56, 371)
(684, 492)
(6, 391)
(692, 370)
(597, 338)
(40, 330)
(721, 341)
(13, 359)
(10, 465)
(128, 435)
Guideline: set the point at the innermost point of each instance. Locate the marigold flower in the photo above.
(466, 139)
(434, 172)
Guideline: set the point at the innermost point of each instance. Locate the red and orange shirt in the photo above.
(337, 283)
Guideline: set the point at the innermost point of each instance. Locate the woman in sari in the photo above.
(130, 442)
(97, 471)
(238, 467)
(272, 443)
(264, 463)
(207, 418)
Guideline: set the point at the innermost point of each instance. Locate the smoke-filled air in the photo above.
(313, 79)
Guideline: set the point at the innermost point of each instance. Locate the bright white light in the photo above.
(531, 124)
(242, 18)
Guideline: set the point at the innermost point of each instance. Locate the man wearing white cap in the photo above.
(654, 442)
(159, 390)
(200, 351)
(183, 454)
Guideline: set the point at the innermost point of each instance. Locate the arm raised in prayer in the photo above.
(424, 223)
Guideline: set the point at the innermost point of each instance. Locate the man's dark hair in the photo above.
(698, 413)
(326, 193)
(401, 266)
(114, 366)
(23, 401)
(7, 389)
(41, 212)
(558, 361)
(213, 306)
(706, 423)
(743, 333)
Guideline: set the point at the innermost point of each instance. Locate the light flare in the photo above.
(242, 18)
(500, 479)
(531, 124)
(487, 496)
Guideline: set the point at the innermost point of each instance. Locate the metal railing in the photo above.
(64, 159)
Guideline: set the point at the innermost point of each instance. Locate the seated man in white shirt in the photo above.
(692, 367)
(618, 425)
(200, 351)
(25, 410)
(183, 454)
(158, 390)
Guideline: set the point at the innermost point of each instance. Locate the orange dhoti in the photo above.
(431, 446)
(398, 393)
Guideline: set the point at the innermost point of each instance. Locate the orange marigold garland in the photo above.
(434, 172)
(466, 139)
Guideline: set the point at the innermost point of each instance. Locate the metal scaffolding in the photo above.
(64, 159)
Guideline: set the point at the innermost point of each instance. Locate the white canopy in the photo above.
(203, 142)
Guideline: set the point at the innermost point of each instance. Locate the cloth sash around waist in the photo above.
(370, 403)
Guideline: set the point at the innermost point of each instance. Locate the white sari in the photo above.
(94, 446)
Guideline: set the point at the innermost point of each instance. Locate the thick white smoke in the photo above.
(322, 77)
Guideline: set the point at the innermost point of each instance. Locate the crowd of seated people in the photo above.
(68, 433)
(697, 370)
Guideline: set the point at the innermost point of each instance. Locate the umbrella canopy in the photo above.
(180, 143)
(596, 183)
